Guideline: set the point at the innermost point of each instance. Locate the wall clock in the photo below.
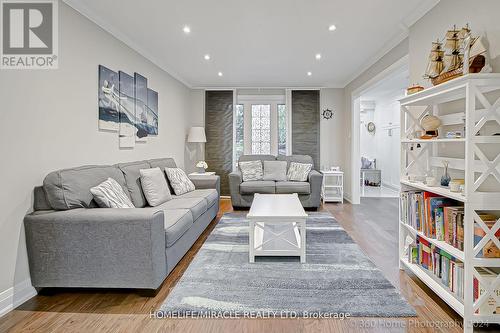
(370, 127)
(327, 113)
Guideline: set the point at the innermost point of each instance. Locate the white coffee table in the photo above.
(277, 226)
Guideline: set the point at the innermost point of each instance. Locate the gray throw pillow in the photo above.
(179, 181)
(110, 194)
(299, 171)
(251, 170)
(275, 170)
(154, 185)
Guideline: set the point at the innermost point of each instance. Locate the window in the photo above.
(239, 141)
(281, 129)
(261, 129)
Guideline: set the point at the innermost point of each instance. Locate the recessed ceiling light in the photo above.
(332, 27)
(186, 29)
(318, 56)
(207, 57)
(220, 73)
(309, 73)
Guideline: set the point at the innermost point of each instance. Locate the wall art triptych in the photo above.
(127, 106)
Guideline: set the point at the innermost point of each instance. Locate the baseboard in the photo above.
(347, 198)
(15, 296)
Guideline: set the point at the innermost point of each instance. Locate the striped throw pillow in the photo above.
(110, 194)
(299, 171)
(179, 181)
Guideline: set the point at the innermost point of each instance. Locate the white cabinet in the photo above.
(333, 186)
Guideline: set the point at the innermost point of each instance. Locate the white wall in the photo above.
(332, 131)
(49, 121)
(356, 86)
(482, 16)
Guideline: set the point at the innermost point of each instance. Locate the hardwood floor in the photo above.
(373, 225)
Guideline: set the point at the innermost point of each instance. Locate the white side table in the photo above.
(199, 175)
(333, 186)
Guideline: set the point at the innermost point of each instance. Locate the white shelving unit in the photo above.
(471, 102)
(333, 186)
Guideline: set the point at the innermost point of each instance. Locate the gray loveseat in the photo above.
(309, 191)
(72, 243)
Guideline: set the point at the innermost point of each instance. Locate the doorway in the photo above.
(376, 134)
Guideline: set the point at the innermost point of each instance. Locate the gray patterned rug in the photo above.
(338, 277)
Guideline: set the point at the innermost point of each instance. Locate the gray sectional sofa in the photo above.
(72, 243)
(309, 191)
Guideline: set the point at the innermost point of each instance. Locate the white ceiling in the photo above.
(259, 43)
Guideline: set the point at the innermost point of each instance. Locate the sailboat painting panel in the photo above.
(141, 110)
(108, 100)
(127, 114)
(153, 112)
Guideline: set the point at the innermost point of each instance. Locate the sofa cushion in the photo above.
(246, 158)
(177, 222)
(109, 194)
(251, 170)
(70, 188)
(154, 186)
(197, 206)
(132, 178)
(293, 187)
(299, 172)
(275, 170)
(257, 186)
(306, 159)
(210, 195)
(163, 163)
(179, 181)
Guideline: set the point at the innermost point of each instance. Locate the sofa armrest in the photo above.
(315, 180)
(207, 182)
(235, 179)
(99, 247)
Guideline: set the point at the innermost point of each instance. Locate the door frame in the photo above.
(356, 94)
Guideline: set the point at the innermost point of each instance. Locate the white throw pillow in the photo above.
(275, 170)
(251, 170)
(110, 194)
(154, 185)
(299, 171)
(179, 181)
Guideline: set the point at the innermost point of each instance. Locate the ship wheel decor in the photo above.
(327, 114)
(446, 62)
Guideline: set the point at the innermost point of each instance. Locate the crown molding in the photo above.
(405, 24)
(84, 10)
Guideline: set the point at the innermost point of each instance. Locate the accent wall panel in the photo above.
(305, 124)
(219, 132)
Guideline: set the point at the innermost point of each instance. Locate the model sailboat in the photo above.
(446, 63)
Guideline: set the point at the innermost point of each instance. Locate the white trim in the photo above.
(407, 22)
(259, 98)
(15, 296)
(355, 140)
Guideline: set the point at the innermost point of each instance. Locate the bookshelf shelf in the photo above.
(443, 292)
(445, 192)
(464, 104)
(439, 140)
(442, 245)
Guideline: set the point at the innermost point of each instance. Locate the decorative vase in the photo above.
(201, 170)
(445, 179)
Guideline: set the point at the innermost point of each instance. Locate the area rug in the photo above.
(338, 278)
